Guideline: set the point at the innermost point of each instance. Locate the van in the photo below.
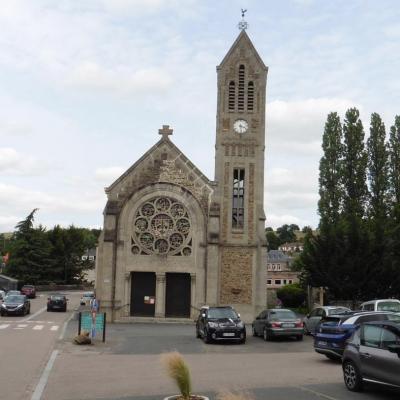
(381, 305)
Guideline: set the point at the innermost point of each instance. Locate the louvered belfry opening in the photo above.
(231, 102)
(241, 88)
(250, 96)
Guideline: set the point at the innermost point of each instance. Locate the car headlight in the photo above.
(213, 324)
(240, 324)
(19, 305)
(3, 305)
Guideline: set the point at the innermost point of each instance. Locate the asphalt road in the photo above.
(128, 367)
(25, 345)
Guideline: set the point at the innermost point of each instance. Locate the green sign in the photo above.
(86, 323)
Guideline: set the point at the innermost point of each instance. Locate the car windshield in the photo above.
(15, 299)
(88, 295)
(57, 297)
(339, 310)
(283, 314)
(388, 306)
(221, 313)
(28, 287)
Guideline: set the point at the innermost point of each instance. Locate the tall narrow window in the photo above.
(238, 199)
(250, 96)
(241, 89)
(231, 95)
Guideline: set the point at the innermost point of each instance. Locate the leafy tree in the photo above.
(273, 240)
(306, 229)
(330, 173)
(286, 233)
(30, 259)
(292, 295)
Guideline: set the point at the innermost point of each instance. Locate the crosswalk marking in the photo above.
(22, 325)
(37, 327)
(4, 326)
(54, 328)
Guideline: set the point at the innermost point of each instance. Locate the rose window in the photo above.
(162, 226)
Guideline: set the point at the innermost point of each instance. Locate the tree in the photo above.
(286, 233)
(30, 259)
(292, 295)
(273, 240)
(330, 173)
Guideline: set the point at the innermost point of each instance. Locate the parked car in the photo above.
(2, 294)
(57, 302)
(334, 331)
(373, 355)
(15, 304)
(86, 298)
(277, 322)
(13, 292)
(381, 305)
(312, 320)
(220, 323)
(29, 291)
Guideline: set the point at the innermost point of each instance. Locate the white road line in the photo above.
(37, 327)
(22, 325)
(4, 326)
(61, 337)
(37, 394)
(34, 315)
(319, 394)
(54, 328)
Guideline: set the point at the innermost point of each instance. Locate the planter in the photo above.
(192, 397)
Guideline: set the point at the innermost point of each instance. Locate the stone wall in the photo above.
(236, 275)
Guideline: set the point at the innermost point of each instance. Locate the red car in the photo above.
(29, 291)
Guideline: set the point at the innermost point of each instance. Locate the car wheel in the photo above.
(305, 329)
(352, 376)
(254, 331)
(64, 309)
(28, 311)
(206, 337)
(299, 337)
(2, 314)
(266, 335)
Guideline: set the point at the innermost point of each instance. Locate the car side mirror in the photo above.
(394, 348)
(203, 315)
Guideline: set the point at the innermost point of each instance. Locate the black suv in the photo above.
(220, 323)
(57, 302)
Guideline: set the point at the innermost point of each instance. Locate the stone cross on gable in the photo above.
(165, 131)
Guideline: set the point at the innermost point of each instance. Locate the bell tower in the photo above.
(239, 173)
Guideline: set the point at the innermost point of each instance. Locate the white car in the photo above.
(381, 305)
(86, 297)
(311, 321)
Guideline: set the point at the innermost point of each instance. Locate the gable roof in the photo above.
(161, 142)
(242, 37)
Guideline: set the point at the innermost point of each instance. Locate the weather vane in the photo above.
(242, 25)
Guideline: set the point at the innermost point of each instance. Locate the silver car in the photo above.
(373, 355)
(312, 320)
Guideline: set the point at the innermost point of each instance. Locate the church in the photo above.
(174, 240)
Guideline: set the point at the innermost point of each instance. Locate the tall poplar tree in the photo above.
(378, 179)
(330, 185)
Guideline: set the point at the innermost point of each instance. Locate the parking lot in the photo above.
(128, 366)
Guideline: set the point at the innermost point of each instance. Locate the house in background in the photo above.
(89, 255)
(279, 271)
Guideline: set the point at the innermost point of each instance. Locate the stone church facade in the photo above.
(173, 240)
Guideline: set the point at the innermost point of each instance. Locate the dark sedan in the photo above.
(278, 322)
(15, 305)
(373, 355)
(57, 302)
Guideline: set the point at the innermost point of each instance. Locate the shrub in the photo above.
(178, 371)
(292, 295)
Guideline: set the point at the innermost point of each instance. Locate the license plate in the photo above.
(288, 325)
(322, 343)
(229, 334)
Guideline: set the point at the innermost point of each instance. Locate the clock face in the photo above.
(240, 126)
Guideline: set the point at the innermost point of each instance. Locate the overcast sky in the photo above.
(85, 85)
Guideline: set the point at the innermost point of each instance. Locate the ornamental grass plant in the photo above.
(178, 370)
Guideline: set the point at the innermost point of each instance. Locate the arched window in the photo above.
(241, 88)
(250, 96)
(231, 95)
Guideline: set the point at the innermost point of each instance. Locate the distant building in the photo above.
(89, 254)
(279, 272)
(290, 248)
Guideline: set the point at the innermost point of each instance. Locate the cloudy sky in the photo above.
(85, 85)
